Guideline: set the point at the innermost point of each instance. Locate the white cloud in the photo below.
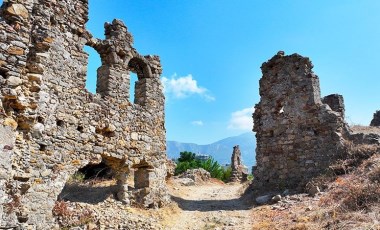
(183, 87)
(197, 123)
(242, 119)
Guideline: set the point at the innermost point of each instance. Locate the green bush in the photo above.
(186, 156)
(227, 174)
(187, 161)
(77, 177)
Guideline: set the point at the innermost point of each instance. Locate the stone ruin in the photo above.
(376, 119)
(51, 126)
(239, 172)
(299, 134)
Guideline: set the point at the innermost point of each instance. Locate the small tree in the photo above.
(186, 156)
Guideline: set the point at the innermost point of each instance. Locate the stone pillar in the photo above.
(236, 165)
(122, 184)
(113, 82)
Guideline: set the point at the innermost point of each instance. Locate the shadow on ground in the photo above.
(86, 193)
(213, 205)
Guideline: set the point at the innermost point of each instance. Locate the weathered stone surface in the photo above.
(199, 175)
(51, 126)
(376, 119)
(186, 181)
(171, 165)
(276, 198)
(336, 103)
(18, 10)
(298, 136)
(239, 172)
(15, 50)
(313, 190)
(14, 81)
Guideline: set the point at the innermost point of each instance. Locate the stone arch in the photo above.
(140, 66)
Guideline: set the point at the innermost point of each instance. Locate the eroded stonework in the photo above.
(298, 134)
(238, 171)
(50, 125)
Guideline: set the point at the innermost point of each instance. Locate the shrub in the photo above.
(77, 177)
(187, 161)
(186, 156)
(70, 216)
(213, 167)
(227, 174)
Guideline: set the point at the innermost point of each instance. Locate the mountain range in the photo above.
(221, 150)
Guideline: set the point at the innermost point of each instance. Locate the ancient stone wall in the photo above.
(376, 119)
(298, 134)
(50, 125)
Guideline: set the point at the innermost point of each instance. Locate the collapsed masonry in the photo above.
(376, 119)
(298, 134)
(51, 126)
(238, 171)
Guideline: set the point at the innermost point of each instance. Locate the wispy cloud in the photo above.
(242, 119)
(182, 87)
(197, 123)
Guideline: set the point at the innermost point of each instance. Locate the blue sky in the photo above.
(212, 50)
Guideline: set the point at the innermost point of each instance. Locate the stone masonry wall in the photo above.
(298, 134)
(50, 125)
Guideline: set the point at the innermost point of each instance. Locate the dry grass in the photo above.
(365, 129)
(351, 198)
(354, 156)
(359, 190)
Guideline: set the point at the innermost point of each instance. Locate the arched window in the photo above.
(139, 66)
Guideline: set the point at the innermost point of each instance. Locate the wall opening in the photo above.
(142, 175)
(139, 67)
(99, 171)
(93, 64)
(91, 184)
(133, 80)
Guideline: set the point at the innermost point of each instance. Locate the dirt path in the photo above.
(210, 206)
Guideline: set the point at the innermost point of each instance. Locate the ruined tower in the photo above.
(238, 171)
(50, 125)
(298, 134)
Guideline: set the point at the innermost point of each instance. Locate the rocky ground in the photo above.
(212, 205)
(349, 201)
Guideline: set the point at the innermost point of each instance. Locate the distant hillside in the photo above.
(221, 150)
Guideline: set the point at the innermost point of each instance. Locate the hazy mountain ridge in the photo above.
(220, 150)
